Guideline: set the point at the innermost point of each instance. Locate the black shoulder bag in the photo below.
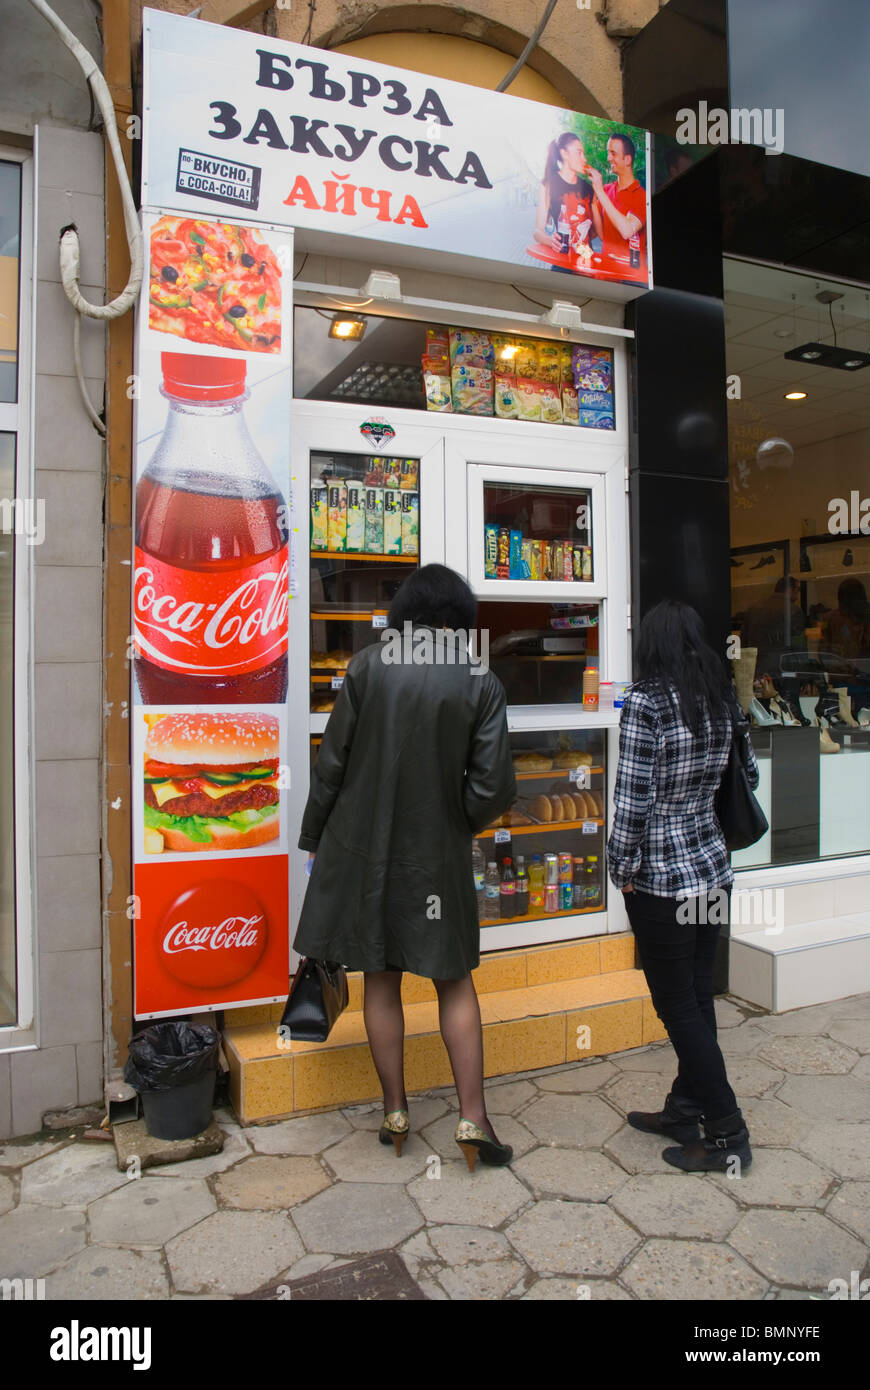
(318, 994)
(739, 814)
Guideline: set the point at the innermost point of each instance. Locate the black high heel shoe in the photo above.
(827, 711)
(474, 1142)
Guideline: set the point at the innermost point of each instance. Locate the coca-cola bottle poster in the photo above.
(211, 592)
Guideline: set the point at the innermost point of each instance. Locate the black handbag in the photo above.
(318, 994)
(737, 811)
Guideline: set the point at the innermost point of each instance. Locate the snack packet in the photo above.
(505, 353)
(526, 361)
(471, 348)
(566, 363)
(392, 521)
(551, 403)
(375, 475)
(356, 517)
(438, 342)
(490, 550)
(507, 405)
(408, 474)
(392, 472)
(549, 362)
(337, 520)
(436, 383)
(319, 514)
(515, 555)
(570, 406)
(593, 369)
(502, 568)
(375, 520)
(410, 523)
(472, 390)
(530, 398)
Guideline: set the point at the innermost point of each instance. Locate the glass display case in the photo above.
(544, 867)
(365, 539)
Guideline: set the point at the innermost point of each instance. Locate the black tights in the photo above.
(459, 1021)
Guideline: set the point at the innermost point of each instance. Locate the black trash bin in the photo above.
(173, 1066)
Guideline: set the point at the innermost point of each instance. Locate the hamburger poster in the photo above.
(210, 839)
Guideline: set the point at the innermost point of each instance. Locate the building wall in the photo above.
(42, 85)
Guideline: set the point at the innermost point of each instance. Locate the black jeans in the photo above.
(677, 958)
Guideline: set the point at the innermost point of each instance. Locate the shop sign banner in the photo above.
(251, 127)
(211, 587)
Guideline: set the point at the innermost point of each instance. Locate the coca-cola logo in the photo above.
(213, 934)
(211, 622)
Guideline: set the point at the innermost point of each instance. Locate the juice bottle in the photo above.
(536, 884)
(579, 885)
(593, 882)
(521, 907)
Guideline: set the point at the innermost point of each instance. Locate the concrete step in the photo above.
(806, 963)
(526, 1026)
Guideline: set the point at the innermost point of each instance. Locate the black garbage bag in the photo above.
(167, 1055)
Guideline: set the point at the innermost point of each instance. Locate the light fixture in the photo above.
(825, 355)
(795, 395)
(563, 315)
(774, 453)
(382, 284)
(349, 328)
(508, 352)
(783, 333)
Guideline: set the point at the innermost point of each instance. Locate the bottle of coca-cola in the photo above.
(210, 583)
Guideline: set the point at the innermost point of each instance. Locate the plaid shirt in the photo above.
(665, 838)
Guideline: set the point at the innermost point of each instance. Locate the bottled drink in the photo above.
(579, 884)
(507, 890)
(551, 868)
(634, 251)
(536, 884)
(210, 588)
(478, 868)
(521, 906)
(551, 897)
(593, 882)
(564, 230)
(566, 867)
(491, 891)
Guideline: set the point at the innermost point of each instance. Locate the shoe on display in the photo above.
(828, 711)
(864, 718)
(827, 744)
(779, 708)
(760, 714)
(765, 560)
(845, 705)
(805, 566)
(848, 558)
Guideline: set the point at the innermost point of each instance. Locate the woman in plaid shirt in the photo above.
(667, 854)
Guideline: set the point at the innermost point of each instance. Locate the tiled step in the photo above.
(525, 1027)
(805, 963)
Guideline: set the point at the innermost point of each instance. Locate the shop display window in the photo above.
(546, 853)
(372, 360)
(539, 651)
(365, 540)
(538, 533)
(799, 446)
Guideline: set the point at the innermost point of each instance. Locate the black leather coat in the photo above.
(415, 760)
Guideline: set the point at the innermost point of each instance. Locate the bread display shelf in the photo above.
(562, 772)
(543, 828)
(324, 680)
(364, 555)
(538, 916)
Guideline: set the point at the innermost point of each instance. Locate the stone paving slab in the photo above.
(850, 1206)
(587, 1177)
(7, 1194)
(486, 1197)
(681, 1269)
(97, 1274)
(145, 1213)
(357, 1218)
(660, 1205)
(589, 1290)
(584, 1239)
(310, 1134)
(34, 1239)
(233, 1252)
(73, 1177)
(270, 1182)
(800, 1248)
(777, 1178)
(19, 1152)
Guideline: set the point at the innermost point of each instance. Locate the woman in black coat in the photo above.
(415, 761)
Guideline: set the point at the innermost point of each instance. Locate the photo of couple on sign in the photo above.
(588, 222)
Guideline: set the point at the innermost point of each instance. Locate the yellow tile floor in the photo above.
(540, 1007)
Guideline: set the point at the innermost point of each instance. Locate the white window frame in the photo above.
(18, 419)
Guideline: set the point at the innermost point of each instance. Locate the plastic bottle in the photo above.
(590, 687)
(564, 229)
(491, 891)
(210, 582)
(478, 868)
(521, 906)
(536, 884)
(579, 884)
(507, 890)
(593, 882)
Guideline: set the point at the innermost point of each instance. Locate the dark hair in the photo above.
(628, 145)
(436, 596)
(852, 598)
(555, 150)
(673, 654)
(790, 582)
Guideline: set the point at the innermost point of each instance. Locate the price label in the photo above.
(337, 682)
(581, 776)
(502, 837)
(590, 827)
(379, 620)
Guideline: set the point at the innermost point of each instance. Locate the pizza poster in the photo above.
(213, 535)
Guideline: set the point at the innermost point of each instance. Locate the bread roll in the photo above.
(532, 762)
(571, 758)
(556, 804)
(570, 805)
(541, 809)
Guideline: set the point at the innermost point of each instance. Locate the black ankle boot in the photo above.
(828, 711)
(724, 1140)
(677, 1120)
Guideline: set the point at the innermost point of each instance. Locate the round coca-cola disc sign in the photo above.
(214, 934)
